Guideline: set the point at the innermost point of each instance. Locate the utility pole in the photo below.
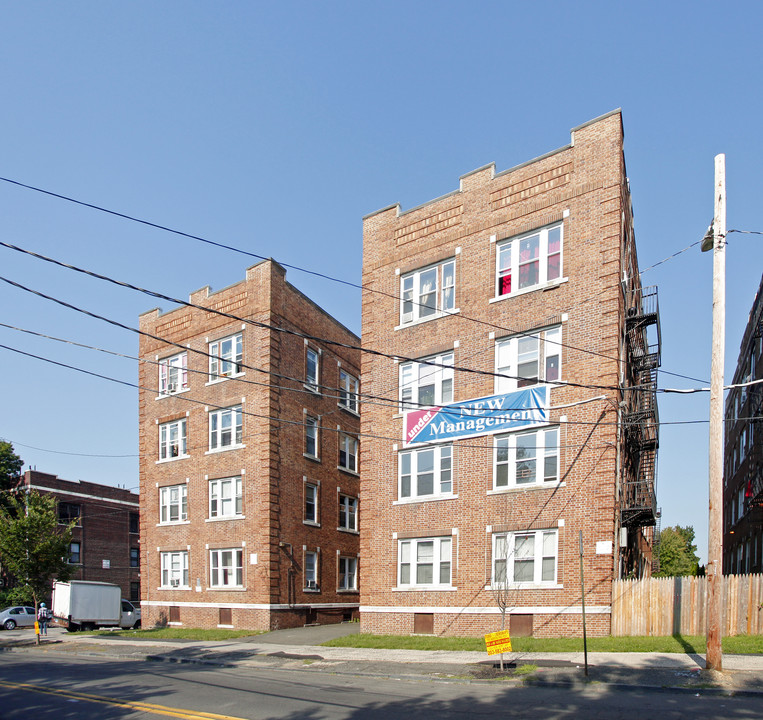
(714, 656)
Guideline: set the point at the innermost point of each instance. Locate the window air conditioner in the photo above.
(312, 585)
(175, 582)
(172, 387)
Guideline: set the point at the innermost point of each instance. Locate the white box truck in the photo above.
(86, 605)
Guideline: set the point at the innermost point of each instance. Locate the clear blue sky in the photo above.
(275, 127)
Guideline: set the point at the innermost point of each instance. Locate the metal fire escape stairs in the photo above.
(754, 491)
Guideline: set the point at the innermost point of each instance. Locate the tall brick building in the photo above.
(105, 543)
(521, 394)
(249, 459)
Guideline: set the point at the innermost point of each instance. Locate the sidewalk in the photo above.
(282, 649)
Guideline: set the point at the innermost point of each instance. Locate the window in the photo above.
(348, 391)
(311, 571)
(311, 503)
(525, 557)
(135, 592)
(227, 568)
(527, 261)
(425, 472)
(311, 436)
(173, 503)
(428, 293)
(528, 458)
(172, 440)
(528, 359)
(424, 385)
(348, 452)
(312, 369)
(173, 374)
(348, 513)
(225, 497)
(68, 512)
(424, 561)
(134, 557)
(225, 428)
(134, 523)
(75, 555)
(175, 569)
(348, 573)
(225, 357)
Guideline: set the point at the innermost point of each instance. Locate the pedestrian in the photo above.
(43, 617)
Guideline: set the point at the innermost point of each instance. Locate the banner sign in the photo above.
(482, 416)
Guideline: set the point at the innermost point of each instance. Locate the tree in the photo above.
(10, 467)
(677, 552)
(34, 548)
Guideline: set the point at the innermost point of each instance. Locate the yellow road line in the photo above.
(145, 707)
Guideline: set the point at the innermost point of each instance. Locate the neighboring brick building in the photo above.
(529, 278)
(106, 538)
(743, 476)
(248, 459)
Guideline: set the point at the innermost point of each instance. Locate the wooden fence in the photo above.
(672, 606)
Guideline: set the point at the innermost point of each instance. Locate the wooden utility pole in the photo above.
(714, 656)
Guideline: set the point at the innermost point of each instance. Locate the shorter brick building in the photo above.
(105, 543)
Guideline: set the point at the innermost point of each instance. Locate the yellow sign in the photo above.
(36, 628)
(498, 642)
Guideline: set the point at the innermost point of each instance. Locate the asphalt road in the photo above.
(85, 689)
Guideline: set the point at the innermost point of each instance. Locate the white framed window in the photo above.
(311, 571)
(225, 428)
(348, 452)
(424, 562)
(530, 260)
(348, 573)
(348, 513)
(311, 503)
(312, 369)
(226, 356)
(172, 440)
(311, 437)
(225, 497)
(425, 472)
(424, 385)
(529, 359)
(75, 553)
(348, 391)
(428, 293)
(173, 503)
(527, 458)
(173, 374)
(525, 558)
(175, 569)
(226, 568)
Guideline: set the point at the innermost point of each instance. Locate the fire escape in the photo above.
(638, 504)
(754, 491)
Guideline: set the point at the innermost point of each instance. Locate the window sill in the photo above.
(345, 591)
(424, 588)
(224, 449)
(526, 586)
(312, 389)
(170, 523)
(349, 471)
(172, 459)
(223, 378)
(314, 458)
(351, 531)
(311, 523)
(174, 587)
(312, 591)
(226, 588)
(162, 396)
(522, 488)
(226, 517)
(352, 412)
(424, 498)
(546, 286)
(437, 316)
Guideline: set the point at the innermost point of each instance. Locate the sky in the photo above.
(275, 127)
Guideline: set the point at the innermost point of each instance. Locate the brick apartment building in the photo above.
(249, 459)
(520, 382)
(743, 476)
(106, 538)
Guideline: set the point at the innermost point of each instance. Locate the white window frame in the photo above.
(348, 513)
(311, 573)
(417, 376)
(312, 494)
(71, 554)
(226, 568)
(348, 453)
(226, 498)
(166, 442)
(516, 357)
(312, 369)
(412, 556)
(226, 356)
(515, 454)
(173, 497)
(348, 573)
(175, 569)
(223, 422)
(509, 260)
(348, 391)
(173, 374)
(428, 293)
(312, 436)
(536, 547)
(413, 472)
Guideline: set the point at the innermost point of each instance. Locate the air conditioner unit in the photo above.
(172, 387)
(311, 585)
(175, 582)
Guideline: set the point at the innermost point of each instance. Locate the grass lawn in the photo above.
(740, 644)
(178, 633)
